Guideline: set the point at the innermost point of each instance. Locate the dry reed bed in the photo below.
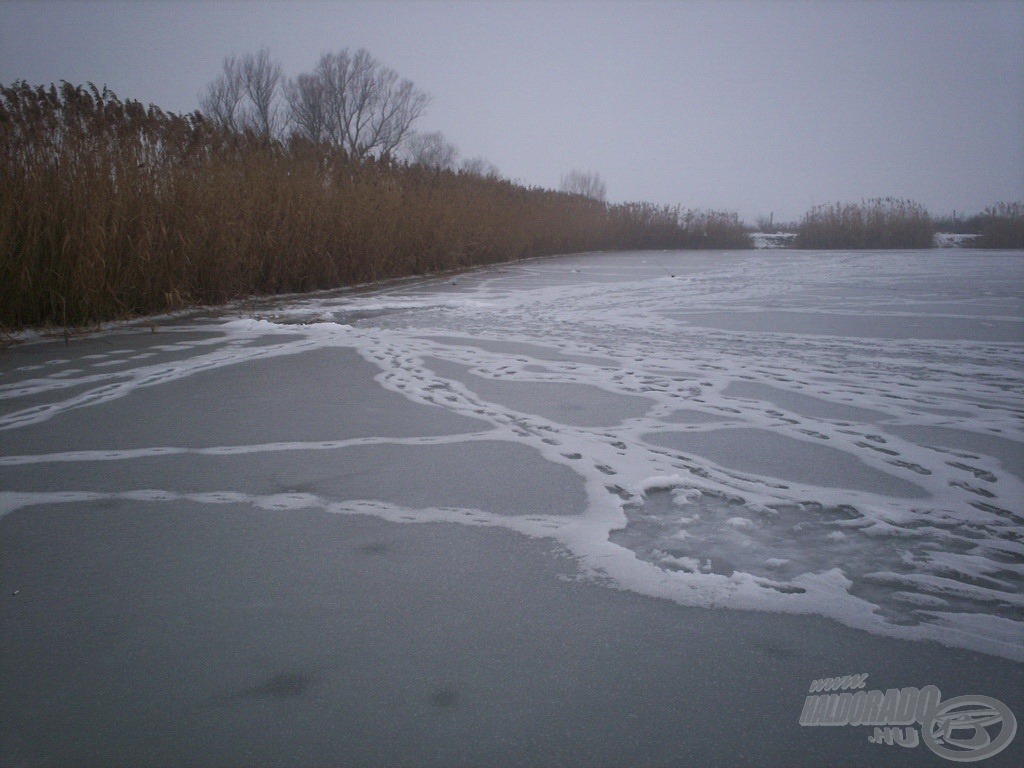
(876, 223)
(110, 209)
(999, 226)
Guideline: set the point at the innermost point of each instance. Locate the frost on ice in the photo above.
(835, 434)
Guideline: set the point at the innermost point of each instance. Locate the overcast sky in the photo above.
(756, 107)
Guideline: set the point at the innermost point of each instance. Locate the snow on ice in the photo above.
(837, 434)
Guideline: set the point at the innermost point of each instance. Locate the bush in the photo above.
(875, 223)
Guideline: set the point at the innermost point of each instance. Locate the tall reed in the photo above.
(1000, 226)
(876, 223)
(109, 209)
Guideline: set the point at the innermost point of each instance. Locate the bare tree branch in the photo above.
(245, 96)
(307, 108)
(589, 184)
(262, 78)
(479, 166)
(431, 150)
(356, 103)
(222, 98)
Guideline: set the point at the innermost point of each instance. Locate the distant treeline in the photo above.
(895, 223)
(110, 209)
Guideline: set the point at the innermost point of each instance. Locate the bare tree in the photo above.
(307, 107)
(479, 166)
(355, 102)
(262, 78)
(222, 98)
(431, 150)
(245, 95)
(589, 184)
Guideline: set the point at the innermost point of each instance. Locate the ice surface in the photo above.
(811, 461)
(802, 404)
(837, 434)
(219, 632)
(903, 325)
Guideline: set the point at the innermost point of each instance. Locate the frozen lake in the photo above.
(837, 435)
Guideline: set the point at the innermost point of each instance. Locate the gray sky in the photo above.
(754, 107)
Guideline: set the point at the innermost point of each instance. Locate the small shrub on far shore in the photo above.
(876, 223)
